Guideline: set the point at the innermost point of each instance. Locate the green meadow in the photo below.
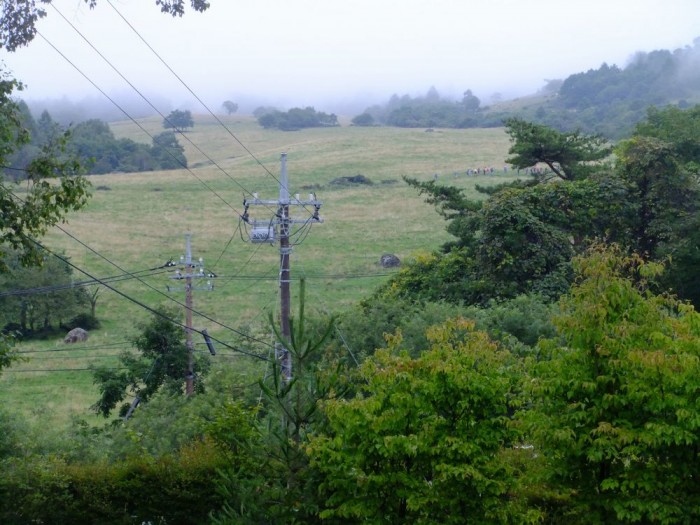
(137, 222)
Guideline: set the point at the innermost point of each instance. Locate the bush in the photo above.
(171, 489)
(85, 321)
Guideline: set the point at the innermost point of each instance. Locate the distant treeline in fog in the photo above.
(95, 144)
(609, 100)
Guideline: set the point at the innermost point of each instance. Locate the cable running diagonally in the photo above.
(200, 314)
(132, 119)
(145, 99)
(145, 306)
(194, 94)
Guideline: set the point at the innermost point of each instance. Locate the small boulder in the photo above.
(389, 260)
(77, 335)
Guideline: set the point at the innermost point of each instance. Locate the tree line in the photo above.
(295, 118)
(94, 142)
(609, 100)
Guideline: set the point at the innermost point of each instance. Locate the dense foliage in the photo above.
(592, 423)
(522, 237)
(178, 119)
(94, 140)
(97, 147)
(422, 442)
(174, 488)
(40, 300)
(295, 119)
(161, 362)
(569, 156)
(608, 101)
(531, 371)
(427, 111)
(41, 202)
(19, 17)
(614, 397)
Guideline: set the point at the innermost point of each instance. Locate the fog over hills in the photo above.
(337, 57)
(675, 73)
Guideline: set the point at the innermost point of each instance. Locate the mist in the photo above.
(338, 58)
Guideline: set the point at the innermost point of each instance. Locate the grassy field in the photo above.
(138, 221)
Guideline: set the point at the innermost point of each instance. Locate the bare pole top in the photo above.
(284, 184)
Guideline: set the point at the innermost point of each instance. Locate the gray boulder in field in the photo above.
(77, 335)
(389, 260)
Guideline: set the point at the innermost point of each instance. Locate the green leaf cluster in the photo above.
(178, 119)
(614, 399)
(296, 118)
(94, 140)
(421, 441)
(161, 363)
(27, 214)
(39, 300)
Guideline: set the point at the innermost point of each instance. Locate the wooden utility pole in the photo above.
(285, 273)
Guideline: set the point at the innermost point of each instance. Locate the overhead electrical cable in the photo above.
(145, 99)
(340, 334)
(184, 166)
(193, 93)
(72, 357)
(73, 348)
(136, 277)
(148, 308)
(158, 290)
(233, 235)
(59, 287)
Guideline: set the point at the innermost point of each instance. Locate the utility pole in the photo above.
(189, 270)
(265, 232)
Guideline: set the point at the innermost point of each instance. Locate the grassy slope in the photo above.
(141, 220)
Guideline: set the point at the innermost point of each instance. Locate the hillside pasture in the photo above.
(137, 222)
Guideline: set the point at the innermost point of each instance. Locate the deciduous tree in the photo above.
(19, 17)
(39, 298)
(161, 362)
(179, 120)
(40, 203)
(230, 107)
(615, 397)
(422, 442)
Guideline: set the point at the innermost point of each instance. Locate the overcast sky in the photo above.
(323, 52)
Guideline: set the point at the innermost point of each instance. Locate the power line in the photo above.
(134, 121)
(109, 63)
(78, 284)
(335, 325)
(142, 305)
(106, 346)
(227, 245)
(154, 289)
(146, 99)
(192, 92)
(73, 357)
(66, 261)
(137, 123)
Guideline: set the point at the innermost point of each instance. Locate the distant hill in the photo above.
(609, 100)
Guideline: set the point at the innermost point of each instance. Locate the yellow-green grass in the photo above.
(139, 221)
